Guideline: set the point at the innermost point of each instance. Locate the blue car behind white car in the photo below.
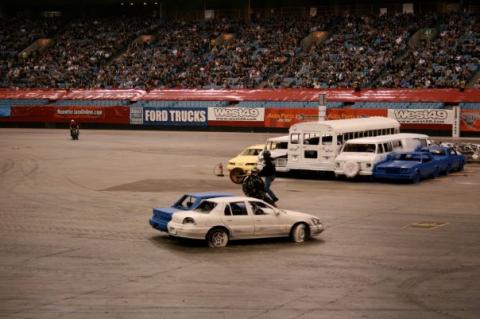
(410, 166)
(189, 201)
(449, 160)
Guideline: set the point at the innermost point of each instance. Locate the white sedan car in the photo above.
(218, 220)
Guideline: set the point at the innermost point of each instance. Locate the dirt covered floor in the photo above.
(75, 240)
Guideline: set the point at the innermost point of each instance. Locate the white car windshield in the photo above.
(359, 148)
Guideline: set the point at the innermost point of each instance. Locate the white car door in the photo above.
(267, 222)
(238, 220)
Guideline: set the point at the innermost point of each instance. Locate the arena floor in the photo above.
(75, 240)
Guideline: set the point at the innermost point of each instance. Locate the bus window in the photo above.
(311, 139)
(310, 154)
(380, 149)
(327, 140)
(339, 139)
(294, 138)
(387, 147)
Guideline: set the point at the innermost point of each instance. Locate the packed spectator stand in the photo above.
(359, 51)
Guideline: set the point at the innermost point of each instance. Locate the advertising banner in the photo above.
(236, 114)
(470, 121)
(422, 116)
(81, 113)
(93, 114)
(63, 114)
(136, 115)
(284, 117)
(5, 111)
(178, 116)
(345, 113)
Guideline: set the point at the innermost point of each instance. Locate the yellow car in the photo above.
(244, 162)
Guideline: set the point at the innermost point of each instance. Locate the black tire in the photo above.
(436, 172)
(237, 175)
(300, 232)
(461, 167)
(217, 238)
(416, 178)
(448, 170)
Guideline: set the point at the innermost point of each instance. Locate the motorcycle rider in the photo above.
(269, 171)
(74, 129)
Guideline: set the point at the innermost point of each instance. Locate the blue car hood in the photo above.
(400, 164)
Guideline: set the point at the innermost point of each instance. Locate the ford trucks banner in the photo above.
(179, 116)
(236, 114)
(422, 116)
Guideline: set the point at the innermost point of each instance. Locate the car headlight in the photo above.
(231, 163)
(251, 164)
(188, 220)
(405, 170)
(316, 221)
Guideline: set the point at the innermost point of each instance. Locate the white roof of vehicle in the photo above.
(283, 138)
(231, 199)
(385, 138)
(348, 125)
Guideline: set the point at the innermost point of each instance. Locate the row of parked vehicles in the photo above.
(350, 148)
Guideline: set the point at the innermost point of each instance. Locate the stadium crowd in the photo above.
(362, 51)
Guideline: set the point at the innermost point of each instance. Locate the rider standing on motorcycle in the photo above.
(74, 125)
(74, 129)
(269, 171)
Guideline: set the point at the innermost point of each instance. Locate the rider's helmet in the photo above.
(266, 155)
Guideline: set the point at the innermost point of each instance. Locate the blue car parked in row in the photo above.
(410, 166)
(189, 201)
(448, 159)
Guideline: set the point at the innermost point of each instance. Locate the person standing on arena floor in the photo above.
(269, 171)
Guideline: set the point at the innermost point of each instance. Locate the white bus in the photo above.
(360, 155)
(315, 145)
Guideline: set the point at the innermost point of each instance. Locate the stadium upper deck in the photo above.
(401, 51)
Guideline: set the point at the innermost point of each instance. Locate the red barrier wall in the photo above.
(63, 114)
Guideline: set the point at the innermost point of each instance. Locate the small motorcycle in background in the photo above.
(74, 133)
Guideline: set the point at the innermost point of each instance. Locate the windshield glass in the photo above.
(279, 146)
(409, 157)
(251, 151)
(205, 207)
(360, 148)
(437, 152)
(185, 202)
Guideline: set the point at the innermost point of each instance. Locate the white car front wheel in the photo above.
(299, 233)
(217, 238)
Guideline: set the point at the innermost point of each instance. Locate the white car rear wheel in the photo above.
(300, 233)
(217, 238)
